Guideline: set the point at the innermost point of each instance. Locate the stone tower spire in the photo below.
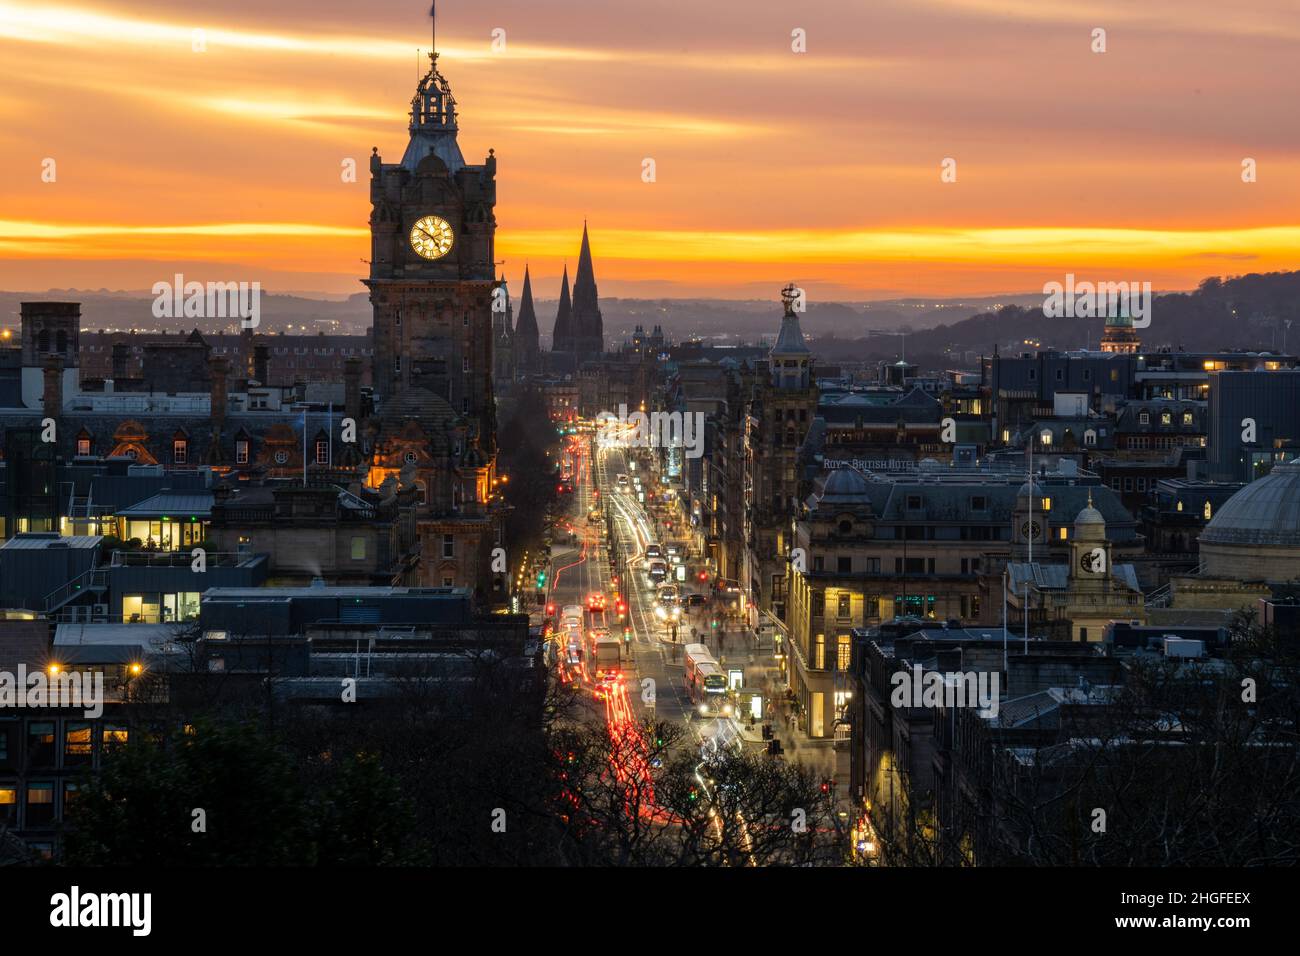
(588, 326)
(562, 336)
(526, 329)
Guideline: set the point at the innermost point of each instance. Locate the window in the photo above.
(1064, 533)
(1090, 438)
(76, 744)
(112, 735)
(1128, 484)
(819, 563)
(843, 652)
(448, 546)
(979, 503)
(1144, 418)
(1046, 438)
(241, 452)
(358, 548)
(83, 446)
(1166, 418)
(397, 318)
(447, 582)
(1033, 375)
(464, 363)
(8, 805)
(845, 608)
(8, 744)
(40, 804)
(819, 652)
(40, 743)
(397, 363)
(180, 451)
(1187, 418)
(322, 452)
(1207, 511)
(844, 565)
(1047, 504)
(1060, 375)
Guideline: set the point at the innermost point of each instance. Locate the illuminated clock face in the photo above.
(1030, 530)
(432, 237)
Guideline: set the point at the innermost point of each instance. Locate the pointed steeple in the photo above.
(526, 328)
(588, 326)
(562, 336)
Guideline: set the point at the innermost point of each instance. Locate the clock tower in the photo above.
(432, 290)
(432, 230)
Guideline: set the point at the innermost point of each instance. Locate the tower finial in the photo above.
(433, 29)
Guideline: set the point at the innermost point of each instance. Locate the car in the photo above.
(653, 551)
(668, 595)
(623, 481)
(695, 600)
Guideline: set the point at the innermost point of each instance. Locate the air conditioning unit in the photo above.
(98, 612)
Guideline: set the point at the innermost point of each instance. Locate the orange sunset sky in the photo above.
(823, 167)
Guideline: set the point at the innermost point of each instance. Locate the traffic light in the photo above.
(704, 575)
(714, 623)
(550, 609)
(541, 579)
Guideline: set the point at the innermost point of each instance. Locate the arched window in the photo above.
(1166, 418)
(1207, 511)
(1046, 438)
(43, 341)
(61, 342)
(1090, 438)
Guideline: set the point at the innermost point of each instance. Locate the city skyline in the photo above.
(191, 165)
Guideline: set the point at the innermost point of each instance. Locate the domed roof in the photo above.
(845, 486)
(1090, 523)
(1265, 512)
(1027, 489)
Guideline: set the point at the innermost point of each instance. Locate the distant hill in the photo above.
(1247, 312)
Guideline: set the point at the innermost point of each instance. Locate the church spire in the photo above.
(562, 337)
(526, 328)
(588, 326)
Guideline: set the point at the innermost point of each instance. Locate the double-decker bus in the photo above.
(706, 684)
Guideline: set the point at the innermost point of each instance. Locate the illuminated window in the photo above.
(1207, 511)
(180, 451)
(1064, 533)
(76, 745)
(83, 446)
(1166, 418)
(1187, 418)
(1046, 438)
(843, 652)
(1179, 506)
(113, 736)
(1047, 504)
(8, 805)
(358, 548)
(819, 652)
(241, 452)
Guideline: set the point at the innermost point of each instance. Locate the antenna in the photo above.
(433, 28)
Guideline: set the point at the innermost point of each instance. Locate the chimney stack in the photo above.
(352, 389)
(262, 364)
(121, 361)
(218, 369)
(52, 400)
